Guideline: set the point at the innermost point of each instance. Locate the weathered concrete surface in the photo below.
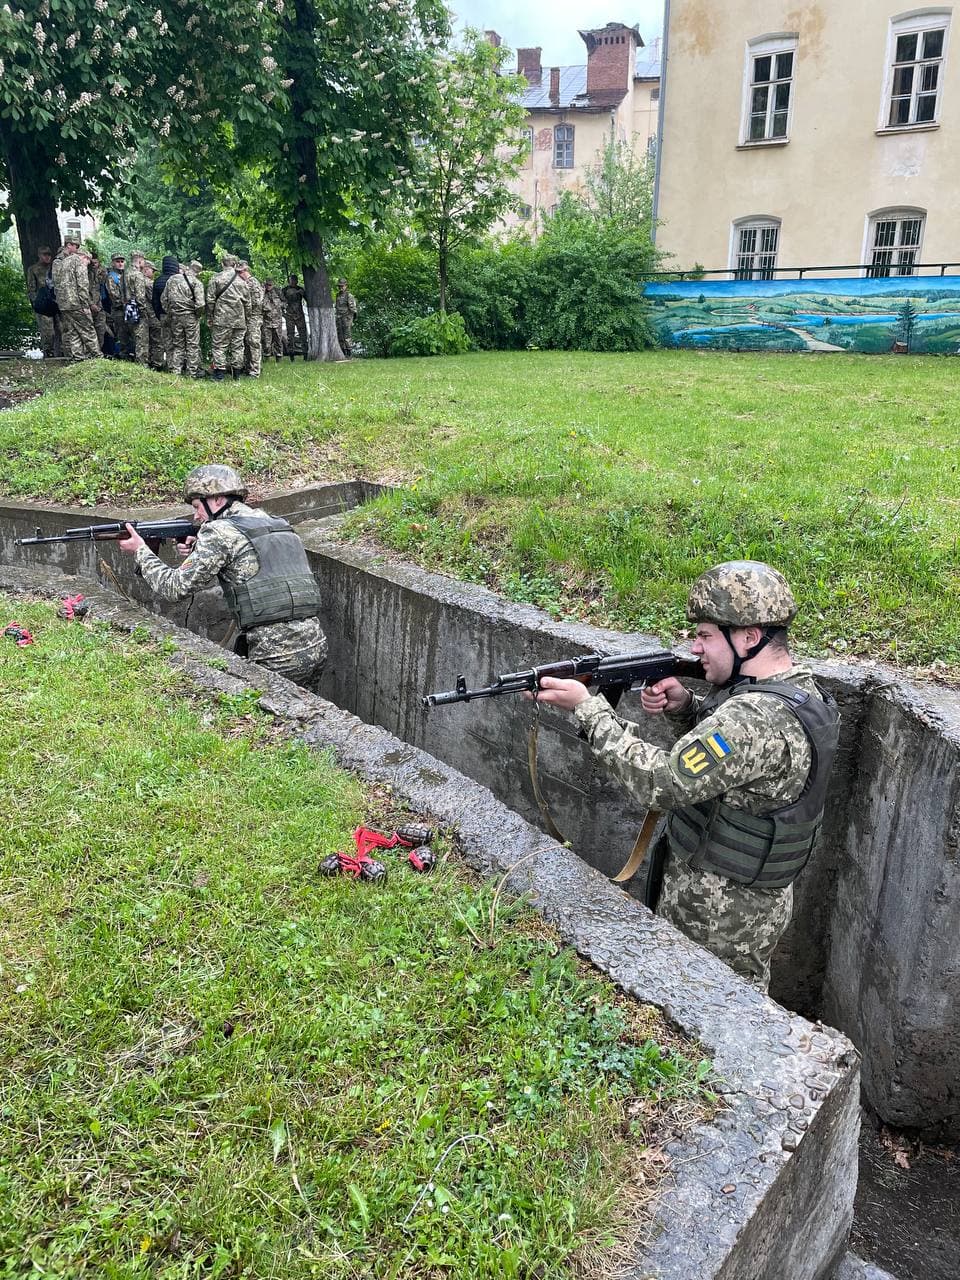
(872, 947)
(854, 1268)
(766, 1192)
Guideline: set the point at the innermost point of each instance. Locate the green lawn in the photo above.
(216, 1063)
(596, 486)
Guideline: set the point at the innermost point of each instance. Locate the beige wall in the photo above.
(838, 166)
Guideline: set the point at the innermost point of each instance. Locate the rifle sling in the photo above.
(635, 861)
(548, 821)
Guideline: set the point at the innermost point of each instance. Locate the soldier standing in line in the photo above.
(40, 274)
(72, 285)
(139, 292)
(154, 339)
(293, 299)
(272, 340)
(254, 337)
(262, 567)
(171, 267)
(98, 278)
(182, 299)
(744, 787)
(345, 306)
(117, 292)
(228, 305)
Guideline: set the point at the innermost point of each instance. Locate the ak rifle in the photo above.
(149, 530)
(612, 676)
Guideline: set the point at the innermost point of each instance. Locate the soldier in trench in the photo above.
(262, 567)
(744, 786)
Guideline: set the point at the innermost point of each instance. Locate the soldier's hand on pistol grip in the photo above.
(184, 548)
(666, 695)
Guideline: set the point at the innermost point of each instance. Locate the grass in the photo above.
(595, 486)
(215, 1063)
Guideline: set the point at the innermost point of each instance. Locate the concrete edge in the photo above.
(789, 1138)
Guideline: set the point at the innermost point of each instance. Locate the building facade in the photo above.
(799, 135)
(574, 111)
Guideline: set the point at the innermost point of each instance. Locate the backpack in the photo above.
(131, 312)
(45, 303)
(106, 302)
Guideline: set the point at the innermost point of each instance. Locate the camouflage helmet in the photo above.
(213, 481)
(742, 593)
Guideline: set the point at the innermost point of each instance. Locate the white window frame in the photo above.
(761, 47)
(916, 22)
(526, 138)
(759, 222)
(571, 142)
(898, 214)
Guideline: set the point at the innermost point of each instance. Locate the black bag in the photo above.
(45, 302)
(106, 302)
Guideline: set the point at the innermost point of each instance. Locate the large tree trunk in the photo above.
(32, 200)
(443, 255)
(321, 319)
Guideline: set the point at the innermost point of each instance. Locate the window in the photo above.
(755, 248)
(526, 144)
(563, 146)
(524, 212)
(918, 47)
(893, 241)
(74, 226)
(769, 88)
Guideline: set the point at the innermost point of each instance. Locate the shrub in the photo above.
(392, 283)
(489, 286)
(18, 327)
(441, 334)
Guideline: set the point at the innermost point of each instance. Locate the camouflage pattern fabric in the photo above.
(754, 753)
(97, 276)
(228, 303)
(295, 649)
(140, 291)
(49, 325)
(182, 300)
(741, 593)
(254, 341)
(345, 306)
(72, 285)
(293, 297)
(272, 335)
(740, 925)
(116, 282)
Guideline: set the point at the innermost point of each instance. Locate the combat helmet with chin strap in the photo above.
(213, 480)
(742, 593)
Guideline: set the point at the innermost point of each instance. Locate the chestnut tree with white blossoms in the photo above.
(82, 82)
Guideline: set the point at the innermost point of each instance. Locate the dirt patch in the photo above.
(10, 397)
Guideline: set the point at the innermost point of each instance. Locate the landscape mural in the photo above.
(910, 314)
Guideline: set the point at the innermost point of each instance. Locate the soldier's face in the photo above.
(710, 646)
(200, 511)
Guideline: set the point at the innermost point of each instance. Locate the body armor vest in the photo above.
(283, 588)
(764, 850)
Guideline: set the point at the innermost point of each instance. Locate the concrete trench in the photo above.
(871, 950)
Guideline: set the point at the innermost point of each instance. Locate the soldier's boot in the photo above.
(292, 355)
(278, 358)
(237, 373)
(218, 375)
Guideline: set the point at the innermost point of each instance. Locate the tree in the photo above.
(82, 81)
(619, 187)
(150, 207)
(364, 83)
(908, 318)
(471, 152)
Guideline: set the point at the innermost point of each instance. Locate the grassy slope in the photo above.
(215, 1063)
(596, 486)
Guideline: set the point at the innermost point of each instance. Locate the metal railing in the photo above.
(798, 273)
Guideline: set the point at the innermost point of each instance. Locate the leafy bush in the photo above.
(489, 286)
(441, 334)
(392, 283)
(18, 327)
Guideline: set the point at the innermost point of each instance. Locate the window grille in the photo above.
(756, 250)
(563, 146)
(895, 244)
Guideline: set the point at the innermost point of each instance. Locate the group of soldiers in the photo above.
(134, 313)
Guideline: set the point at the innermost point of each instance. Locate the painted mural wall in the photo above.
(915, 314)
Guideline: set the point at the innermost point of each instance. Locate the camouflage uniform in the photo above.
(37, 276)
(345, 305)
(139, 290)
(119, 296)
(72, 286)
(254, 342)
(293, 298)
(295, 649)
(228, 305)
(272, 338)
(154, 337)
(182, 299)
(97, 277)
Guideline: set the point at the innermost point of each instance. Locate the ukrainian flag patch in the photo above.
(702, 754)
(718, 745)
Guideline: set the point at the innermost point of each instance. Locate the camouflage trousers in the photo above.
(166, 338)
(99, 324)
(271, 340)
(344, 330)
(154, 343)
(78, 334)
(228, 345)
(50, 343)
(296, 650)
(740, 925)
(253, 348)
(121, 331)
(185, 333)
(296, 332)
(139, 336)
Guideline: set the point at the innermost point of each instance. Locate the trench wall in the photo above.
(763, 1192)
(872, 947)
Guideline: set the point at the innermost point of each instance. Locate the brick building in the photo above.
(573, 111)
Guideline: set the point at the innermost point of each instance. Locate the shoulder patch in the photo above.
(702, 754)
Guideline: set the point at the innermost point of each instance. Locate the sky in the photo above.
(553, 24)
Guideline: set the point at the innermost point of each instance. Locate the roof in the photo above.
(573, 86)
(647, 69)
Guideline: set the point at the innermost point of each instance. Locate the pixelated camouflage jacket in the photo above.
(222, 551)
(71, 282)
(139, 290)
(752, 751)
(255, 290)
(228, 301)
(182, 296)
(37, 278)
(272, 309)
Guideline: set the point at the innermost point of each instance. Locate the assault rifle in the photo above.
(149, 530)
(611, 676)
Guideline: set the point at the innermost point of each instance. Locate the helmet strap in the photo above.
(752, 652)
(231, 498)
